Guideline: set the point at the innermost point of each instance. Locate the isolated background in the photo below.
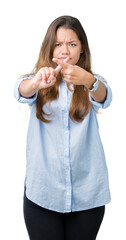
(23, 25)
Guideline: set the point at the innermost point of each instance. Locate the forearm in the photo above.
(100, 94)
(27, 88)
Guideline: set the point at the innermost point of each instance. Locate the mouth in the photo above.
(63, 58)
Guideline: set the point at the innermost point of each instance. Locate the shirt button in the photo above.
(67, 168)
(66, 131)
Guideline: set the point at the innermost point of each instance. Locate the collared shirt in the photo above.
(66, 167)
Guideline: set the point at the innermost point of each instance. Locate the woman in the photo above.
(66, 184)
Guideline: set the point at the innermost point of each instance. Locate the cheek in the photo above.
(55, 52)
(77, 56)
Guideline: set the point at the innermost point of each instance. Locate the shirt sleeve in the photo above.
(17, 95)
(108, 98)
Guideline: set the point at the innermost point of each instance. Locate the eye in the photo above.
(72, 44)
(57, 44)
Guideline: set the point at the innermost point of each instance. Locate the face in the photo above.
(67, 45)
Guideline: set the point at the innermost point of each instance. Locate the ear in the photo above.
(82, 51)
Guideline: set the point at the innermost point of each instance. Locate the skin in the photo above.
(66, 54)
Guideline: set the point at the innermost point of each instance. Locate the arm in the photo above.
(44, 78)
(27, 88)
(79, 76)
(100, 94)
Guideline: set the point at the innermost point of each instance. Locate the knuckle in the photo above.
(70, 71)
(42, 70)
(69, 77)
(51, 70)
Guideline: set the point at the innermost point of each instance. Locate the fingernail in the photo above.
(51, 78)
(66, 59)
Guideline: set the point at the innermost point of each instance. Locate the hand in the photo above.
(75, 74)
(44, 78)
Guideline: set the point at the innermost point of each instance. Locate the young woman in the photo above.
(66, 184)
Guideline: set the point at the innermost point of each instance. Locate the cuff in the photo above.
(17, 95)
(108, 98)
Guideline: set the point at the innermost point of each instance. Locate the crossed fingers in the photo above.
(61, 65)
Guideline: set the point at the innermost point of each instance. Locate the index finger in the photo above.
(60, 64)
(58, 69)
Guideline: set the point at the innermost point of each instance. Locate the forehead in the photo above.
(66, 34)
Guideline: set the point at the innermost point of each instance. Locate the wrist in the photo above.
(95, 85)
(90, 81)
(34, 85)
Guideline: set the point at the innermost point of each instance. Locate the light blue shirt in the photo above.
(66, 167)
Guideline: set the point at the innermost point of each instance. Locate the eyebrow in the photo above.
(69, 41)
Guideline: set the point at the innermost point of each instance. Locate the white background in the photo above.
(23, 26)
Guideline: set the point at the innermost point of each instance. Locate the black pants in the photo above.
(44, 224)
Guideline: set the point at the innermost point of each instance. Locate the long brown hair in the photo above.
(80, 104)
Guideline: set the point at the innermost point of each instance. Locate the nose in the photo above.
(65, 50)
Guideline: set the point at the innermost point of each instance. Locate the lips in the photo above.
(63, 58)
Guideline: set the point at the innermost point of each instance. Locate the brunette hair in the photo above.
(80, 104)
